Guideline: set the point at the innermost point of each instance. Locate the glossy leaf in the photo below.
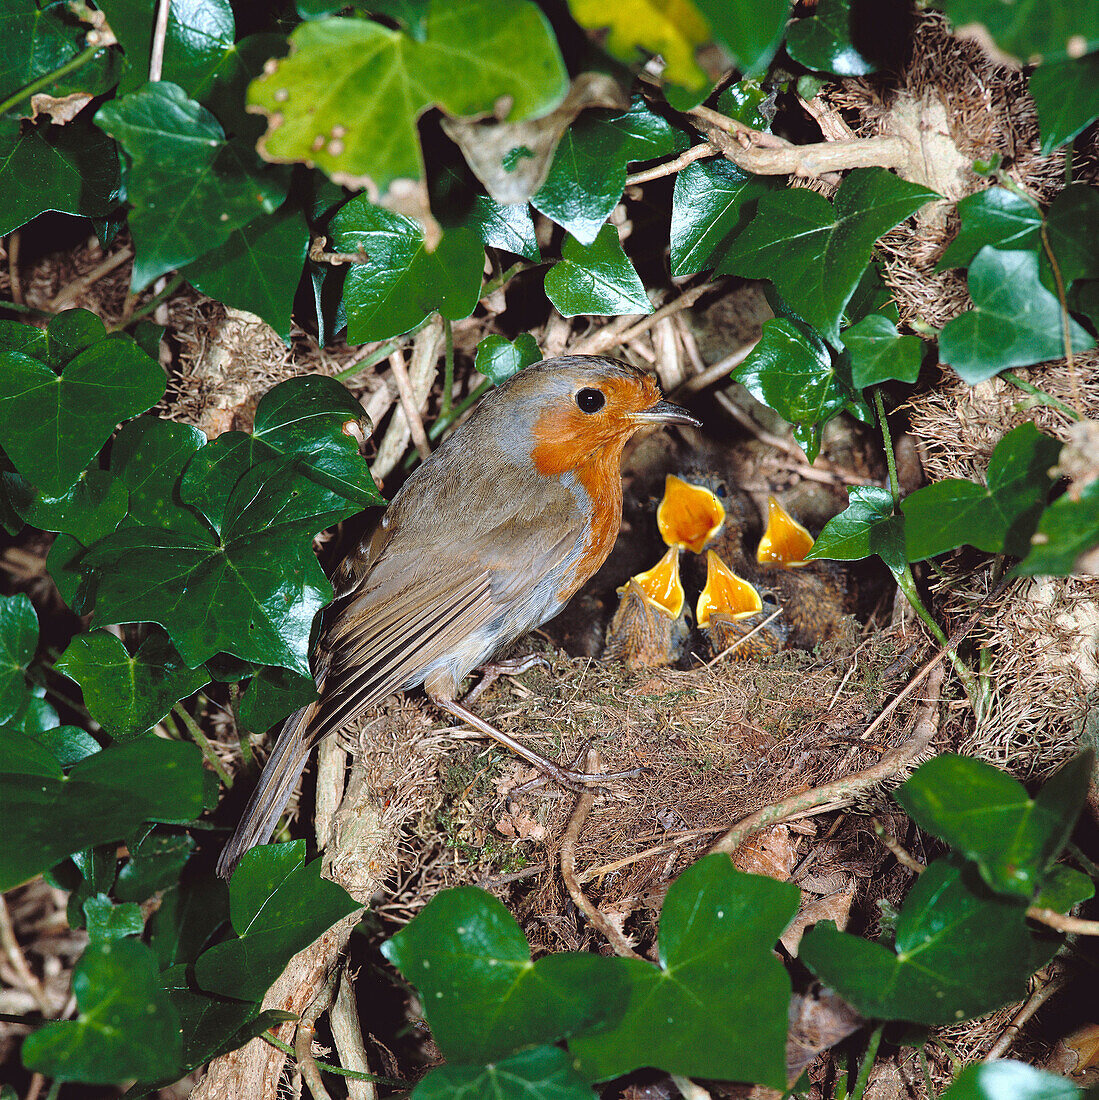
(129, 695)
(91, 508)
(106, 382)
(1063, 888)
(1072, 227)
(934, 975)
(750, 30)
(871, 296)
(156, 860)
(190, 189)
(999, 517)
(1066, 94)
(499, 358)
(1032, 30)
(127, 1026)
(1005, 1080)
(362, 127)
(868, 526)
(482, 994)
(879, 353)
(716, 1006)
(258, 268)
(1069, 528)
(588, 173)
(36, 41)
(814, 251)
(278, 904)
(824, 41)
(996, 217)
(596, 279)
(273, 694)
(190, 915)
(18, 641)
(545, 1072)
(712, 202)
(1014, 322)
(988, 816)
(68, 744)
(107, 921)
(400, 282)
(102, 798)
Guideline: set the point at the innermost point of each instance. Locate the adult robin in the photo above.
(485, 541)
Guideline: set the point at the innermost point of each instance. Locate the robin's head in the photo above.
(575, 406)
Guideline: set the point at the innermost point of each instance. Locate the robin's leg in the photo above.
(566, 777)
(490, 673)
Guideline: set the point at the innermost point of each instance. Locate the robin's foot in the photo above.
(492, 672)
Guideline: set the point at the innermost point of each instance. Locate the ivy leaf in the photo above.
(499, 358)
(18, 641)
(719, 996)
(932, 975)
(401, 282)
(157, 858)
(482, 994)
(545, 1072)
(871, 296)
(1064, 888)
(129, 695)
(1014, 321)
(588, 173)
(258, 268)
(106, 921)
(824, 42)
(1068, 529)
(127, 1026)
(1032, 30)
(1066, 94)
(72, 169)
(998, 518)
(815, 252)
(90, 509)
(36, 41)
(712, 202)
(506, 226)
(790, 370)
(273, 694)
(996, 217)
(191, 913)
(52, 425)
(750, 30)
(102, 798)
(189, 187)
(361, 128)
(988, 816)
(879, 353)
(597, 278)
(1072, 225)
(868, 526)
(1006, 1080)
(278, 904)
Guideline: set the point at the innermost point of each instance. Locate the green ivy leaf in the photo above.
(1006, 1080)
(278, 905)
(790, 370)
(498, 358)
(127, 1026)
(596, 279)
(933, 975)
(482, 995)
(996, 217)
(749, 102)
(106, 921)
(1014, 322)
(868, 526)
(871, 296)
(68, 744)
(189, 187)
(880, 354)
(191, 912)
(362, 127)
(273, 694)
(815, 252)
(545, 1072)
(588, 173)
(157, 858)
(824, 42)
(102, 798)
(986, 815)
(129, 695)
(716, 1005)
(1066, 94)
(258, 268)
(1069, 528)
(712, 202)
(401, 282)
(1072, 226)
(18, 641)
(1063, 888)
(51, 425)
(36, 41)
(90, 509)
(1032, 30)
(750, 30)
(998, 518)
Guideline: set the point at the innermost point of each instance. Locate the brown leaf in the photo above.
(836, 907)
(61, 109)
(818, 1020)
(771, 852)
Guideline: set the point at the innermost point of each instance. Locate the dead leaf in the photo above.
(818, 1021)
(836, 907)
(61, 109)
(771, 852)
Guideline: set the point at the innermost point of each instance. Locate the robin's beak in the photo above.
(664, 412)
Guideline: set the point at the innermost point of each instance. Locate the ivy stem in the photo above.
(55, 1089)
(203, 743)
(384, 351)
(927, 1074)
(448, 368)
(70, 66)
(505, 277)
(170, 287)
(906, 582)
(443, 422)
(354, 1074)
(1039, 395)
(863, 1078)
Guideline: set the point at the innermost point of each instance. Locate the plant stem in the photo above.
(55, 1089)
(377, 355)
(927, 1075)
(45, 81)
(444, 422)
(19, 307)
(448, 368)
(1039, 395)
(863, 1078)
(203, 743)
(354, 1074)
(170, 287)
(505, 277)
(887, 443)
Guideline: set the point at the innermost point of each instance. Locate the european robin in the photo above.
(487, 539)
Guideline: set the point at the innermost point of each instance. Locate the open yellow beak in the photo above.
(785, 542)
(689, 516)
(725, 594)
(661, 584)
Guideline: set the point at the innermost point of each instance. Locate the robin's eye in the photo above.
(589, 400)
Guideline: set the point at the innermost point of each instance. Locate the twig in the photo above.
(348, 1035)
(273, 1040)
(169, 288)
(13, 267)
(669, 168)
(584, 802)
(602, 341)
(1033, 1003)
(658, 850)
(898, 851)
(740, 641)
(15, 956)
(366, 358)
(160, 34)
(203, 743)
(715, 373)
(408, 403)
(689, 1089)
(1066, 321)
(318, 254)
(303, 1036)
(1074, 926)
(68, 294)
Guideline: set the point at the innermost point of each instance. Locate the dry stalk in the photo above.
(896, 849)
(1055, 982)
(303, 1037)
(348, 1034)
(669, 168)
(68, 294)
(409, 404)
(19, 963)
